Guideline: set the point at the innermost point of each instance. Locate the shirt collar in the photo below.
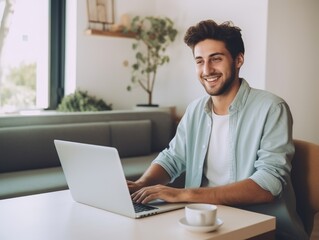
(238, 102)
(241, 96)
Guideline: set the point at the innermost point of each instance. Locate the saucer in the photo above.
(202, 229)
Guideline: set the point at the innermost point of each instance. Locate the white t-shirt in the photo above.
(217, 164)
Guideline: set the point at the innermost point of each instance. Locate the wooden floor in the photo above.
(315, 232)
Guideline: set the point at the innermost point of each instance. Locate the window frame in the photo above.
(57, 52)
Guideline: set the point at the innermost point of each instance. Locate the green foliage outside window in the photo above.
(19, 87)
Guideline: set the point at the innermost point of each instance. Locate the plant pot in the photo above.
(147, 105)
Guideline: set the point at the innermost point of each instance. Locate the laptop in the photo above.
(96, 178)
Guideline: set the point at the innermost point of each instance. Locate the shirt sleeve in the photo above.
(276, 150)
(172, 159)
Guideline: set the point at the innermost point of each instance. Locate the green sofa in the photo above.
(28, 160)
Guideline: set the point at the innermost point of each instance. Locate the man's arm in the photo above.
(155, 174)
(239, 193)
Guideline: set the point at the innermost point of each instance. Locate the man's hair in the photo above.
(225, 32)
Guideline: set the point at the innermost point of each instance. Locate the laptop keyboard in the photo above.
(139, 207)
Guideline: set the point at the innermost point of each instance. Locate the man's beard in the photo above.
(226, 85)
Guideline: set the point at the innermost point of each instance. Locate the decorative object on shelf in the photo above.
(100, 12)
(123, 24)
(153, 35)
(81, 101)
(120, 29)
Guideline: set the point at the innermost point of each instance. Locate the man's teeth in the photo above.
(211, 79)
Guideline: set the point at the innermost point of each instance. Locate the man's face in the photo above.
(215, 67)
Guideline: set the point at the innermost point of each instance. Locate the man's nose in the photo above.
(208, 69)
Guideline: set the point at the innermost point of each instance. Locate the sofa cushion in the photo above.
(20, 183)
(131, 138)
(18, 144)
(15, 184)
(134, 167)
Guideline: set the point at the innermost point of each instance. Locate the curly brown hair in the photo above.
(209, 29)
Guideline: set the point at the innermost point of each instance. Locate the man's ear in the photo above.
(239, 60)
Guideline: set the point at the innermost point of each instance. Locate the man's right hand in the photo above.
(154, 175)
(133, 186)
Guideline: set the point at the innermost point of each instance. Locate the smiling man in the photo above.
(234, 144)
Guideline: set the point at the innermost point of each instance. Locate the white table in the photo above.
(56, 216)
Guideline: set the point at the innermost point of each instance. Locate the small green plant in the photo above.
(156, 34)
(81, 101)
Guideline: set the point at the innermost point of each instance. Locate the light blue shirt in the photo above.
(261, 148)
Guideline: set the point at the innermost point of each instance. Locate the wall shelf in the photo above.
(109, 33)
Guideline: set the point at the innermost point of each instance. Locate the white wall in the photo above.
(71, 43)
(292, 61)
(281, 54)
(178, 81)
(99, 60)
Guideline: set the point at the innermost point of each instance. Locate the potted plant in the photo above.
(153, 35)
(81, 101)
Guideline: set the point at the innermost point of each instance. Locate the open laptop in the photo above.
(95, 177)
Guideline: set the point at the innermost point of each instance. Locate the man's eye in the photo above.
(216, 59)
(198, 62)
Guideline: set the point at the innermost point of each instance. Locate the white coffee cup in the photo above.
(200, 214)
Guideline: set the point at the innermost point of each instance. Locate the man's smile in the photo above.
(211, 78)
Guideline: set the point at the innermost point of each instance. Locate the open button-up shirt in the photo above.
(261, 145)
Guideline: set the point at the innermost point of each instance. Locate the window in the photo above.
(31, 54)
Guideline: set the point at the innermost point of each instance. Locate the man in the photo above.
(235, 145)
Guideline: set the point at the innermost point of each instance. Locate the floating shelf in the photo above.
(109, 33)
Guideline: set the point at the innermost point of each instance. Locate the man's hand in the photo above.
(133, 186)
(155, 174)
(239, 193)
(168, 194)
